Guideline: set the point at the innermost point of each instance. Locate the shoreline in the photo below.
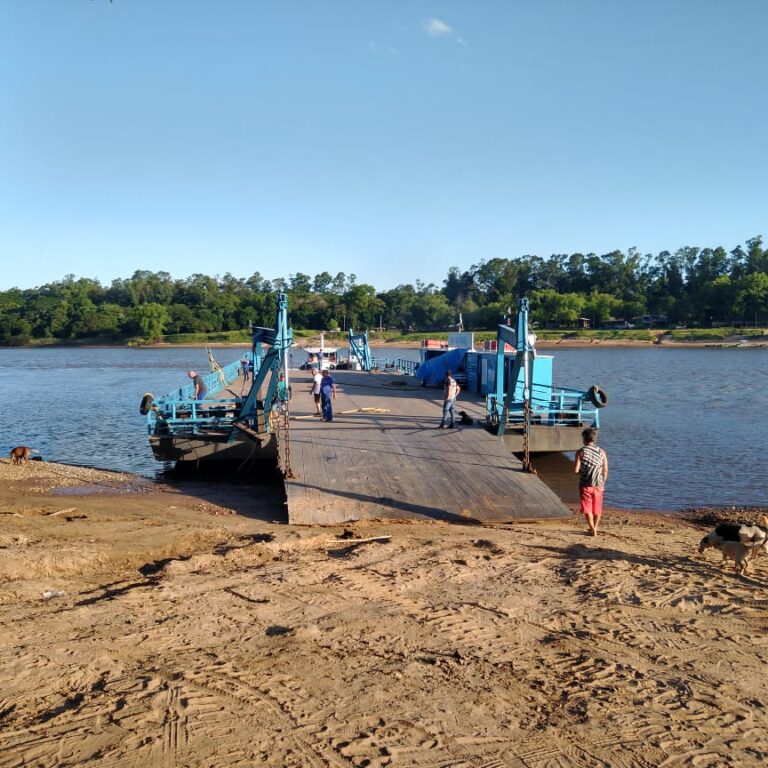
(141, 621)
(59, 479)
(540, 344)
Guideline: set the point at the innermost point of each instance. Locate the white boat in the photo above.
(321, 357)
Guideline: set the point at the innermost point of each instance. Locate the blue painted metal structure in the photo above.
(358, 346)
(179, 414)
(213, 383)
(395, 364)
(273, 364)
(525, 378)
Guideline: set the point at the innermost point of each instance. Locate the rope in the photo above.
(250, 455)
(215, 367)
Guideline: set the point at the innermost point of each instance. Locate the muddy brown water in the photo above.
(683, 427)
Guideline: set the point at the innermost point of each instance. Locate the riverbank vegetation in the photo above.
(698, 293)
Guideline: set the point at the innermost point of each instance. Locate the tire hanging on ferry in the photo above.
(146, 403)
(598, 397)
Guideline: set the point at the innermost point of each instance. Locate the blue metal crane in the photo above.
(273, 365)
(358, 346)
(523, 395)
(524, 343)
(183, 424)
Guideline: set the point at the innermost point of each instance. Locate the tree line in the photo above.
(691, 286)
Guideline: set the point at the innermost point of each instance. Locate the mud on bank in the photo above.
(169, 625)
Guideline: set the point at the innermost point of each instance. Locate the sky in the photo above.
(389, 139)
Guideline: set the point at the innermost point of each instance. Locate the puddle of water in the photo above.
(96, 490)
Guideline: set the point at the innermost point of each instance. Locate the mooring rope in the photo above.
(215, 367)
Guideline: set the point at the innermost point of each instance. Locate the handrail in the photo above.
(398, 364)
(182, 401)
(553, 406)
(213, 383)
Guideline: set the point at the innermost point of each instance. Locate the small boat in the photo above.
(321, 357)
(227, 425)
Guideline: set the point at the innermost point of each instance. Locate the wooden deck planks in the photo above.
(398, 465)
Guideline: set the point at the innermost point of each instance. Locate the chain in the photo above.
(281, 415)
(527, 466)
(288, 470)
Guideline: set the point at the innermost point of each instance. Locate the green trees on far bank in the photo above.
(692, 286)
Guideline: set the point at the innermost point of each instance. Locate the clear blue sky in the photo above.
(391, 139)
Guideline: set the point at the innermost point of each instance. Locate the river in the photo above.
(683, 427)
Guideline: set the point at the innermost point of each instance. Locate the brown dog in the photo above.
(20, 454)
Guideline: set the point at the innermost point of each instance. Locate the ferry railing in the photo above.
(552, 406)
(185, 416)
(214, 381)
(180, 411)
(396, 364)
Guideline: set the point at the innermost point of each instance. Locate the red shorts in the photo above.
(591, 500)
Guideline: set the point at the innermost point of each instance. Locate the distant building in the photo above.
(648, 321)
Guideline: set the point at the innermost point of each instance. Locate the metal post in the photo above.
(285, 343)
(525, 349)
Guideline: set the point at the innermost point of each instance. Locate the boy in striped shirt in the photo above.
(592, 468)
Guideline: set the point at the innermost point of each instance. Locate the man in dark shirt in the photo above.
(245, 366)
(200, 388)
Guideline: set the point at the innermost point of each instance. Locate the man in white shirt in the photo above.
(314, 390)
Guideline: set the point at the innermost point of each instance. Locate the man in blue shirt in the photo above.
(327, 394)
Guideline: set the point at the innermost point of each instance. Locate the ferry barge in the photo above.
(522, 403)
(225, 425)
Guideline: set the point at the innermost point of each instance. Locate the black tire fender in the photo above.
(146, 403)
(598, 397)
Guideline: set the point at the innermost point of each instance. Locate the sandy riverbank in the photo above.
(188, 625)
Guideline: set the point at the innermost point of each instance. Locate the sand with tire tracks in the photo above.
(148, 625)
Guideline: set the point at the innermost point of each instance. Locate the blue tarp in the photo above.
(432, 373)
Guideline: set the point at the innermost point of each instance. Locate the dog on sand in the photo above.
(730, 550)
(739, 542)
(750, 534)
(739, 553)
(20, 454)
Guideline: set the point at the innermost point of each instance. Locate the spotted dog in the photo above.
(739, 542)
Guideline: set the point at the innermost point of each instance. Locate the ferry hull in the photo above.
(544, 439)
(213, 447)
